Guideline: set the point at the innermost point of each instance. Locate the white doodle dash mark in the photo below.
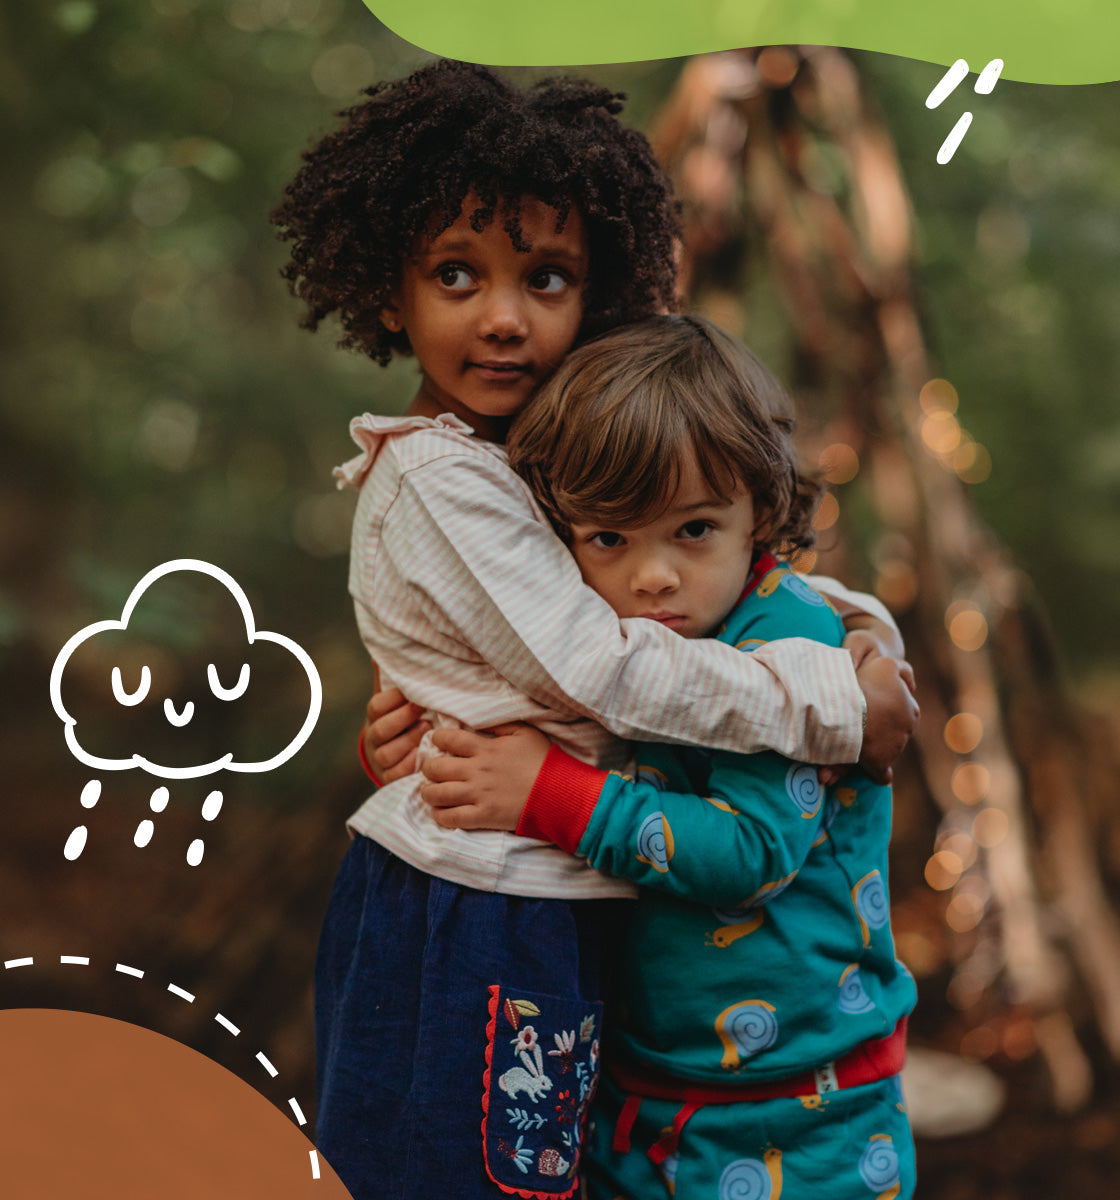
(946, 85)
(988, 77)
(956, 136)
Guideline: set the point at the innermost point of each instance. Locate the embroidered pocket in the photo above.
(542, 1066)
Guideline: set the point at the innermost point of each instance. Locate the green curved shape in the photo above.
(1040, 41)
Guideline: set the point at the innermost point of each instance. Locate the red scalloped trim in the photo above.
(491, 1024)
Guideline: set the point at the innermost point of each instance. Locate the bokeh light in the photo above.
(963, 732)
(828, 512)
(943, 870)
(970, 783)
(838, 463)
(938, 395)
(967, 626)
(990, 826)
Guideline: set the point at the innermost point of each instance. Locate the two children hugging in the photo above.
(488, 231)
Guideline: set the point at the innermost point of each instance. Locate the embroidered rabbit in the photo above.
(529, 1079)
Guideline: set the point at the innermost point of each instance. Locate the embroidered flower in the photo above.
(526, 1039)
(565, 1050)
(593, 1054)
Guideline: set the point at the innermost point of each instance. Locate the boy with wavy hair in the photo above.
(759, 1013)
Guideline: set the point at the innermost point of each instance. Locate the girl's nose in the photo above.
(504, 317)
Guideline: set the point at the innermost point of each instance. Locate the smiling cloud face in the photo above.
(173, 707)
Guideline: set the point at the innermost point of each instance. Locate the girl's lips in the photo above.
(497, 370)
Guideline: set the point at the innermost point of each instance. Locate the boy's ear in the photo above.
(763, 532)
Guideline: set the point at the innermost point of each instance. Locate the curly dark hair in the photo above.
(401, 165)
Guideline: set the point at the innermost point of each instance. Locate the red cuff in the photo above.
(562, 800)
(365, 761)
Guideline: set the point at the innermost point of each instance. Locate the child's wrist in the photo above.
(561, 800)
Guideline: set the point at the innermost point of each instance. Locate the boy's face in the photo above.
(686, 569)
(488, 323)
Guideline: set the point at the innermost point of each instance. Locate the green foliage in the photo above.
(158, 399)
(1019, 257)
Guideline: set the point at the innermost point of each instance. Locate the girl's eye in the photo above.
(455, 277)
(606, 539)
(548, 281)
(694, 530)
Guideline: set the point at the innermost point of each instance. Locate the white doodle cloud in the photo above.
(226, 762)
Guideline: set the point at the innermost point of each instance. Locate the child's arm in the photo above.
(748, 834)
(503, 583)
(394, 726)
(762, 814)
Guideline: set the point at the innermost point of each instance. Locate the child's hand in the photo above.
(868, 637)
(391, 734)
(892, 713)
(482, 780)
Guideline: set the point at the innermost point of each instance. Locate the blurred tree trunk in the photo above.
(793, 196)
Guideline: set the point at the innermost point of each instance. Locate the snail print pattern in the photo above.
(853, 998)
(869, 898)
(753, 1178)
(802, 590)
(745, 1029)
(655, 842)
(878, 1167)
(804, 789)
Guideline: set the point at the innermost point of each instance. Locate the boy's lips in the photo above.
(671, 619)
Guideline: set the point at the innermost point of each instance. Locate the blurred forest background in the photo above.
(158, 401)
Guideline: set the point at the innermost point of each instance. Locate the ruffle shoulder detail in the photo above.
(370, 433)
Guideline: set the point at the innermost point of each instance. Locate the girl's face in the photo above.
(488, 323)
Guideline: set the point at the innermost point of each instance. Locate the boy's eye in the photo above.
(695, 529)
(606, 539)
(453, 276)
(548, 281)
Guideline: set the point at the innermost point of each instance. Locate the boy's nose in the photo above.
(504, 317)
(655, 576)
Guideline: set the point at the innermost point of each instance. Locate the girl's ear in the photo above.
(391, 318)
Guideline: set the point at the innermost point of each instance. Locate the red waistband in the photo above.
(877, 1058)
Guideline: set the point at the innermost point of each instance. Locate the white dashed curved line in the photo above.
(225, 1022)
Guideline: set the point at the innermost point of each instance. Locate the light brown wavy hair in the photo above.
(605, 439)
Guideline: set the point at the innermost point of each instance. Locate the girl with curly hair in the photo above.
(487, 230)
